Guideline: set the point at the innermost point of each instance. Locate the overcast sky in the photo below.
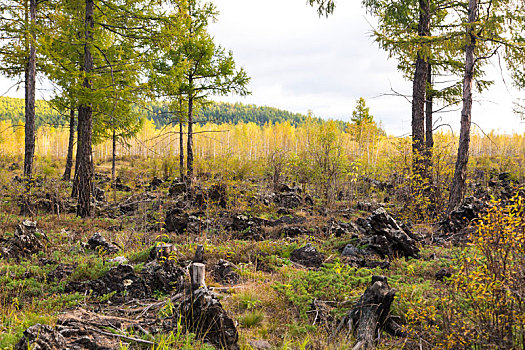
(299, 62)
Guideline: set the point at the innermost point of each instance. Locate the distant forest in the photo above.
(13, 109)
(215, 112)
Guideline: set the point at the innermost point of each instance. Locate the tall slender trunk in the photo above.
(429, 134)
(189, 147)
(429, 111)
(30, 82)
(70, 145)
(419, 92)
(458, 187)
(114, 165)
(85, 170)
(181, 149)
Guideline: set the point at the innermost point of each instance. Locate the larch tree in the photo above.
(404, 29)
(84, 163)
(417, 34)
(361, 113)
(62, 67)
(165, 74)
(490, 28)
(18, 57)
(207, 69)
(101, 48)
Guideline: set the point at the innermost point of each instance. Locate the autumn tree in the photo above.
(489, 27)
(101, 63)
(207, 68)
(325, 157)
(18, 57)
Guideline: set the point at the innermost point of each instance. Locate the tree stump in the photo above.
(197, 276)
(371, 315)
(199, 254)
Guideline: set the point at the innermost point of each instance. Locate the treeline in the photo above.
(228, 113)
(12, 109)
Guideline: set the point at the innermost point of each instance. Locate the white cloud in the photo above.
(299, 61)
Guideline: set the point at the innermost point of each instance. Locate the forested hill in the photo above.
(221, 113)
(13, 109)
(216, 112)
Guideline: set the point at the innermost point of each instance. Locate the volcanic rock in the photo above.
(224, 272)
(307, 256)
(386, 236)
(41, 337)
(101, 245)
(202, 314)
(24, 242)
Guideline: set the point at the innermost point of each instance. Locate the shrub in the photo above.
(335, 283)
(482, 306)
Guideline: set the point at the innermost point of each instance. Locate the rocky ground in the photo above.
(281, 269)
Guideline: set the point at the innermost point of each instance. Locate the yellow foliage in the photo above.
(482, 306)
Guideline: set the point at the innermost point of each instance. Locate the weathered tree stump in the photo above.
(197, 276)
(371, 315)
(202, 313)
(199, 254)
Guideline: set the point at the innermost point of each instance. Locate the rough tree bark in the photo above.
(74, 191)
(189, 147)
(30, 81)
(114, 164)
(429, 134)
(70, 145)
(181, 148)
(84, 174)
(419, 91)
(458, 187)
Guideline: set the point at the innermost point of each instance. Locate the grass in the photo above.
(251, 319)
(273, 301)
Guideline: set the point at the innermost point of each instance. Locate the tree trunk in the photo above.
(419, 92)
(30, 81)
(429, 133)
(114, 165)
(458, 187)
(70, 145)
(181, 149)
(189, 147)
(85, 169)
(74, 191)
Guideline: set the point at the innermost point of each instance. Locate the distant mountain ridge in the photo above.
(215, 112)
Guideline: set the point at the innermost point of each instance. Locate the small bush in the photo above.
(335, 283)
(482, 305)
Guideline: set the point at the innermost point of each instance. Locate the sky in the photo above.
(300, 62)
